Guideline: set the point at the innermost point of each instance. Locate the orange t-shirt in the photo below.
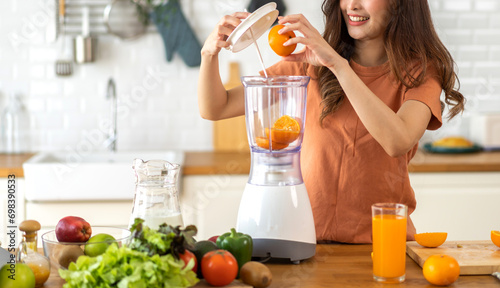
(345, 169)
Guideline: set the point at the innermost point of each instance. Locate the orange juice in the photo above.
(389, 246)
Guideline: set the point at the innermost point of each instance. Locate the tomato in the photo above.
(186, 257)
(219, 267)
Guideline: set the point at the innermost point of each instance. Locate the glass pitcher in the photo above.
(156, 199)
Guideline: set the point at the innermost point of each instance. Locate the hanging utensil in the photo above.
(63, 67)
(123, 18)
(85, 45)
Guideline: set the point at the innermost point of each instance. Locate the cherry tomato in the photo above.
(219, 267)
(186, 256)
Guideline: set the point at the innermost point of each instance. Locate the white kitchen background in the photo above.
(158, 99)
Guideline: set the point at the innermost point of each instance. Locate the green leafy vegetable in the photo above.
(150, 259)
(166, 240)
(123, 267)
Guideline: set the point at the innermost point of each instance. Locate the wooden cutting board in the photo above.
(474, 257)
(230, 135)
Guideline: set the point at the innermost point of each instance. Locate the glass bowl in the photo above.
(61, 254)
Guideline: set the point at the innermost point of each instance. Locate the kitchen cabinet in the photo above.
(211, 202)
(464, 204)
(19, 199)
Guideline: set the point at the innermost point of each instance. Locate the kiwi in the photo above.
(256, 274)
(67, 254)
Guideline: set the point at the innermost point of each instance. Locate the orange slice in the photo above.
(286, 122)
(495, 237)
(264, 143)
(285, 130)
(282, 136)
(431, 239)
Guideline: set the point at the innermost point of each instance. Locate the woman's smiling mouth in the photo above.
(356, 20)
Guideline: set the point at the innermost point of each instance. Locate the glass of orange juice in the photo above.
(389, 242)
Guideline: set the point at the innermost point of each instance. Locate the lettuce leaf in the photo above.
(124, 267)
(149, 259)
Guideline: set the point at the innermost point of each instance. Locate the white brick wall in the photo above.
(65, 110)
(470, 30)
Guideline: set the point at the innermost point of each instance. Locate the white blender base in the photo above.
(280, 221)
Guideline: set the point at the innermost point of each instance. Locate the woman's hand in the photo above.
(317, 51)
(217, 39)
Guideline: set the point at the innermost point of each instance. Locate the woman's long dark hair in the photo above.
(410, 38)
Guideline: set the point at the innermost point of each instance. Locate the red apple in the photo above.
(73, 229)
(213, 238)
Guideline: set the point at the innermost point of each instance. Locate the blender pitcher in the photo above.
(156, 199)
(275, 208)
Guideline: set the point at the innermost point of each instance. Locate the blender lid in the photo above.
(252, 27)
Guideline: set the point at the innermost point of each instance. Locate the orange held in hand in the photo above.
(431, 239)
(441, 269)
(276, 41)
(495, 237)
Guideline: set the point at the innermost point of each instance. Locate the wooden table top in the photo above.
(339, 265)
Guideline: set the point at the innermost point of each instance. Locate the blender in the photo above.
(275, 208)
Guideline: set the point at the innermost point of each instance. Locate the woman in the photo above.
(377, 74)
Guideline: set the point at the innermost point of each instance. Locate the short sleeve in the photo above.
(429, 93)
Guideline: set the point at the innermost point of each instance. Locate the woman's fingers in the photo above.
(229, 22)
(241, 15)
(234, 19)
(224, 28)
(316, 51)
(296, 57)
(295, 18)
(223, 32)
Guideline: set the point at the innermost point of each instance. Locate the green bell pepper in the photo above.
(239, 244)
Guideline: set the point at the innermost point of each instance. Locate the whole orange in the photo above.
(276, 41)
(441, 269)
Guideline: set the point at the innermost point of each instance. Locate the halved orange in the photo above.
(495, 237)
(431, 239)
(282, 136)
(285, 130)
(286, 122)
(264, 143)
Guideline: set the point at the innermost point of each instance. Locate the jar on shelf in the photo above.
(15, 127)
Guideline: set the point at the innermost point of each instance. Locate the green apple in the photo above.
(98, 244)
(17, 275)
